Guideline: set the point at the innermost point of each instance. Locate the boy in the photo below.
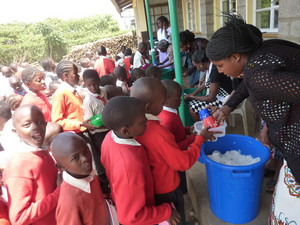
(16, 84)
(49, 67)
(154, 72)
(93, 104)
(171, 120)
(81, 200)
(120, 73)
(139, 59)
(14, 101)
(127, 166)
(164, 155)
(137, 73)
(104, 65)
(30, 175)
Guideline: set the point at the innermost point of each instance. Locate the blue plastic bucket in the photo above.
(234, 191)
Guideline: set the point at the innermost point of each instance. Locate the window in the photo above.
(157, 10)
(266, 15)
(227, 6)
(190, 14)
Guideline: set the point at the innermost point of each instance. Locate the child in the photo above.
(137, 73)
(49, 67)
(139, 59)
(128, 65)
(171, 120)
(165, 157)
(67, 106)
(107, 80)
(120, 73)
(34, 81)
(103, 65)
(93, 104)
(53, 86)
(113, 91)
(127, 166)
(14, 101)
(16, 84)
(30, 175)
(81, 200)
(154, 72)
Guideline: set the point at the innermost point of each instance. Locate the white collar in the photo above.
(102, 57)
(170, 109)
(152, 117)
(96, 95)
(124, 141)
(83, 184)
(210, 67)
(67, 86)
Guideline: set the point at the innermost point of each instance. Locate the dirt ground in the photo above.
(189, 210)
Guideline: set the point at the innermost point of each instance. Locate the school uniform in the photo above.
(129, 174)
(123, 85)
(81, 202)
(138, 60)
(171, 120)
(30, 179)
(104, 66)
(93, 104)
(166, 158)
(39, 100)
(67, 108)
(127, 66)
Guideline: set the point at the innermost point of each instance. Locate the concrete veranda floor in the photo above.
(197, 180)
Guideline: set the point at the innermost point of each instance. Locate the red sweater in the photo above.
(39, 100)
(104, 66)
(131, 183)
(77, 207)
(30, 179)
(127, 66)
(174, 124)
(3, 212)
(165, 157)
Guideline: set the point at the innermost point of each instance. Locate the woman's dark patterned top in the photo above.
(272, 81)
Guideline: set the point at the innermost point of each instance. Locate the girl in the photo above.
(219, 85)
(271, 80)
(164, 29)
(34, 81)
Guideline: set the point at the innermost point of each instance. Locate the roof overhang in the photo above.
(121, 4)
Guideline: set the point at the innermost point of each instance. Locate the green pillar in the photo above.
(176, 49)
(150, 30)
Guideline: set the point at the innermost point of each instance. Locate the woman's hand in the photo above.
(186, 97)
(88, 125)
(221, 114)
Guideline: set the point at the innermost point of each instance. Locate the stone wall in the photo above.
(289, 20)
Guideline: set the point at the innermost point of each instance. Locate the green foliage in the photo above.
(53, 37)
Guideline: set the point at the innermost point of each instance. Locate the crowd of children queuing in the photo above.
(58, 168)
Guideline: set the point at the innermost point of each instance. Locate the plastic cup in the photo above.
(97, 120)
(219, 128)
(198, 126)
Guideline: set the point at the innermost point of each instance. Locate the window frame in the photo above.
(191, 2)
(272, 10)
(230, 3)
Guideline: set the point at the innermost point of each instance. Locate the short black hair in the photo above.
(12, 99)
(90, 74)
(186, 37)
(120, 73)
(172, 87)
(5, 110)
(101, 50)
(121, 112)
(153, 71)
(128, 52)
(135, 72)
(107, 80)
(54, 85)
(28, 74)
(46, 64)
(200, 56)
(83, 62)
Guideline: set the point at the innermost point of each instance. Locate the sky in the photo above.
(38, 10)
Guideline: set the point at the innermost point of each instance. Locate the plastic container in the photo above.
(97, 120)
(198, 126)
(207, 118)
(234, 191)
